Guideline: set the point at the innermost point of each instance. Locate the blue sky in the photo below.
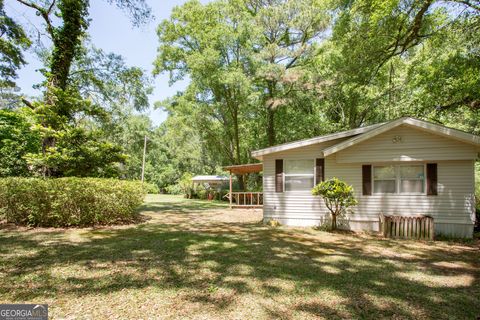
(111, 30)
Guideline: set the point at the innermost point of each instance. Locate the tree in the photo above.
(66, 23)
(444, 77)
(338, 197)
(106, 80)
(13, 41)
(285, 35)
(375, 47)
(244, 61)
(80, 153)
(179, 147)
(209, 43)
(17, 140)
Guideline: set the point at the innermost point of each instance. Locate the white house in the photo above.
(403, 167)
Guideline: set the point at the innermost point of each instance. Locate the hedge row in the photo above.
(66, 202)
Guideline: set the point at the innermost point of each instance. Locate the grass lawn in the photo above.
(197, 259)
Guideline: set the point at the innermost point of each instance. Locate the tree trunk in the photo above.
(271, 126)
(236, 136)
(241, 182)
(67, 40)
(334, 222)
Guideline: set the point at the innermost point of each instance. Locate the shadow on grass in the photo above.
(218, 262)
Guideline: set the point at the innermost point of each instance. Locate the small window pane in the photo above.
(296, 183)
(384, 173)
(411, 172)
(384, 186)
(412, 186)
(299, 167)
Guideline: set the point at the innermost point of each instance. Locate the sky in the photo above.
(111, 30)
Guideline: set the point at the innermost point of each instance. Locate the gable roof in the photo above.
(307, 142)
(361, 134)
(420, 124)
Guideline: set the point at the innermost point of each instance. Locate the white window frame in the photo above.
(299, 175)
(398, 178)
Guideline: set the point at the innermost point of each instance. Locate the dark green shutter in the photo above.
(278, 175)
(367, 179)
(319, 170)
(432, 180)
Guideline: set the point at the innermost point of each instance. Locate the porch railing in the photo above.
(246, 199)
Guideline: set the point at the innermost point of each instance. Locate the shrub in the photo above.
(173, 189)
(151, 188)
(338, 197)
(202, 194)
(273, 223)
(68, 202)
(220, 195)
(186, 185)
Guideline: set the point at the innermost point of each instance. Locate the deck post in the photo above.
(230, 195)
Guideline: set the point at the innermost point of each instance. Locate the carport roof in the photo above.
(244, 168)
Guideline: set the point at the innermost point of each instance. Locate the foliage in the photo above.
(67, 202)
(388, 59)
(337, 195)
(204, 42)
(175, 147)
(285, 36)
(186, 184)
(74, 82)
(79, 153)
(173, 189)
(13, 41)
(202, 194)
(151, 188)
(16, 141)
(106, 80)
(273, 223)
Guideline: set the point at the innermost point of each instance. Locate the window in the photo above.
(299, 175)
(384, 179)
(412, 179)
(399, 179)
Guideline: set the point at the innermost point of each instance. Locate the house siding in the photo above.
(452, 209)
(415, 145)
(294, 208)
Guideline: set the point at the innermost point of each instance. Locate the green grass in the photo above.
(198, 259)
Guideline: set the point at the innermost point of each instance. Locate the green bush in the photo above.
(220, 195)
(173, 189)
(186, 185)
(151, 188)
(66, 202)
(202, 194)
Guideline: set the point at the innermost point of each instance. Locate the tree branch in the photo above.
(45, 13)
(28, 103)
